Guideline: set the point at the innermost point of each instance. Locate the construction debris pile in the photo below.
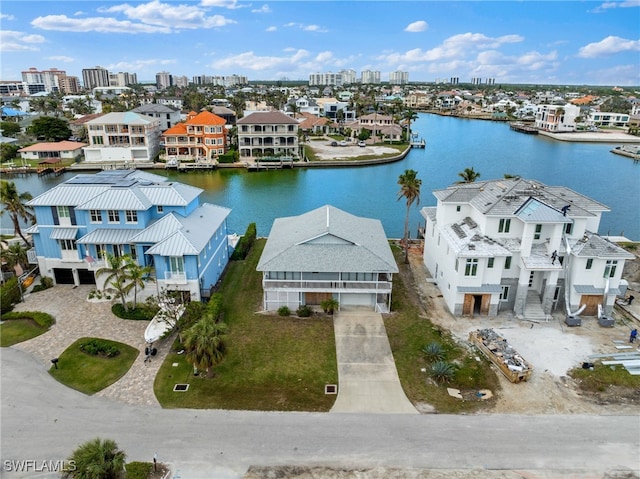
(499, 352)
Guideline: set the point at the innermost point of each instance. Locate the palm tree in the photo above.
(410, 189)
(469, 175)
(204, 345)
(97, 459)
(138, 275)
(117, 280)
(410, 116)
(16, 255)
(14, 204)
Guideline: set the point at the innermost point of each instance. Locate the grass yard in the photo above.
(88, 373)
(272, 362)
(20, 326)
(409, 330)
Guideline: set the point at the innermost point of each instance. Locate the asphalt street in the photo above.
(44, 420)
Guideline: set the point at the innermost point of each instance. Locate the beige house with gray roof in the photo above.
(267, 133)
(327, 253)
(520, 245)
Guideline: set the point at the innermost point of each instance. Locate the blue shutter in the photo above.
(54, 212)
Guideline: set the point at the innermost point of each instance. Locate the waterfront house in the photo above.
(203, 137)
(59, 150)
(122, 137)
(157, 222)
(327, 253)
(267, 133)
(167, 115)
(520, 245)
(380, 126)
(557, 118)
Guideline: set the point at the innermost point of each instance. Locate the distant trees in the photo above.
(10, 128)
(50, 128)
(410, 190)
(15, 205)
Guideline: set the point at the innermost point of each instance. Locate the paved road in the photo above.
(43, 420)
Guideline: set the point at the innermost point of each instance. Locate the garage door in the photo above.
(353, 299)
(86, 276)
(63, 276)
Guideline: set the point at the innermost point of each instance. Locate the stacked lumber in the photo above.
(497, 349)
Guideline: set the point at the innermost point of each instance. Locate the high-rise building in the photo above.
(454, 80)
(371, 77)
(328, 78)
(122, 79)
(398, 78)
(163, 80)
(69, 85)
(490, 81)
(348, 77)
(94, 77)
(47, 78)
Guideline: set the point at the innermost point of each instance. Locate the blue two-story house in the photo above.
(156, 221)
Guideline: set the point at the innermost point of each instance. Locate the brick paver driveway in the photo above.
(76, 318)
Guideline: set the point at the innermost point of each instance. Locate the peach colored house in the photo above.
(202, 137)
(61, 150)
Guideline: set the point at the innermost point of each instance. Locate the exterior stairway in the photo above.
(533, 308)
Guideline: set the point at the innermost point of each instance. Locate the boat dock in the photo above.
(523, 128)
(197, 166)
(271, 164)
(630, 151)
(52, 165)
(421, 143)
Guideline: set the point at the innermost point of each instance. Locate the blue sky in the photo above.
(546, 42)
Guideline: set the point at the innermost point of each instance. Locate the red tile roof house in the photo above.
(203, 137)
(62, 150)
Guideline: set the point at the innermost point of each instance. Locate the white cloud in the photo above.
(61, 58)
(94, 24)
(12, 41)
(271, 29)
(4, 16)
(624, 4)
(461, 46)
(251, 61)
(608, 46)
(306, 28)
(170, 16)
(263, 9)
(140, 65)
(419, 26)
(230, 4)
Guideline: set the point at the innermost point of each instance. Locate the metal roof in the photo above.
(63, 233)
(67, 195)
(123, 118)
(590, 289)
(592, 245)
(171, 194)
(483, 288)
(536, 211)
(158, 230)
(118, 198)
(327, 239)
(109, 236)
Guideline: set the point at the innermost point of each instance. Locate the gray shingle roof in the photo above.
(327, 239)
(595, 246)
(267, 118)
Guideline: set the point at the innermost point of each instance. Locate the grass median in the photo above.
(17, 327)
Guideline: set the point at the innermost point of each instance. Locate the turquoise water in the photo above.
(452, 144)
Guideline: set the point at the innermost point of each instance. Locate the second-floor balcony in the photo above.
(326, 285)
(171, 277)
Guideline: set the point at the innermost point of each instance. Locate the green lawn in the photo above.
(409, 330)
(20, 326)
(90, 374)
(272, 362)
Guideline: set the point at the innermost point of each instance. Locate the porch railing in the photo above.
(322, 285)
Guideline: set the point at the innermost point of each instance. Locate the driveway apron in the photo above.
(368, 380)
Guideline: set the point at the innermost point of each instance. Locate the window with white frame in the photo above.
(507, 262)
(504, 296)
(471, 267)
(114, 216)
(610, 268)
(589, 263)
(68, 245)
(131, 216)
(504, 225)
(159, 209)
(96, 216)
(538, 232)
(490, 262)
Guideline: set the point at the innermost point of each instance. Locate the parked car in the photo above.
(343, 143)
(362, 143)
(334, 143)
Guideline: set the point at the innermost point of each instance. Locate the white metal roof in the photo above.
(63, 233)
(109, 236)
(118, 199)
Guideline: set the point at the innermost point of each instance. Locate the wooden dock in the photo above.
(270, 164)
(523, 128)
(418, 143)
(197, 166)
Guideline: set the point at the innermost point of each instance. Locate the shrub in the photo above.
(9, 295)
(143, 312)
(284, 311)
(245, 243)
(99, 347)
(43, 319)
(329, 305)
(433, 351)
(442, 371)
(304, 311)
(45, 283)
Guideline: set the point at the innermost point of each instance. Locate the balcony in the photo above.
(175, 278)
(338, 286)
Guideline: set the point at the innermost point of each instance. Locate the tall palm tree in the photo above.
(117, 280)
(410, 115)
(138, 275)
(15, 255)
(14, 204)
(469, 175)
(97, 459)
(410, 189)
(204, 345)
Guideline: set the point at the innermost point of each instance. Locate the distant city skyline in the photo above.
(544, 42)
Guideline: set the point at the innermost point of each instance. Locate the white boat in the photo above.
(160, 324)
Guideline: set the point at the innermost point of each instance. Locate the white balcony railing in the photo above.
(342, 286)
(175, 278)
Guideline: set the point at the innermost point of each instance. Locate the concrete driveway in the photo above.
(368, 380)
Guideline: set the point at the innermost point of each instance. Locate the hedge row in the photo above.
(244, 245)
(43, 319)
(9, 295)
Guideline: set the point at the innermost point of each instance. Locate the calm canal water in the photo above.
(453, 144)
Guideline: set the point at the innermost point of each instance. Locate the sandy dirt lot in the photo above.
(324, 150)
(552, 348)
